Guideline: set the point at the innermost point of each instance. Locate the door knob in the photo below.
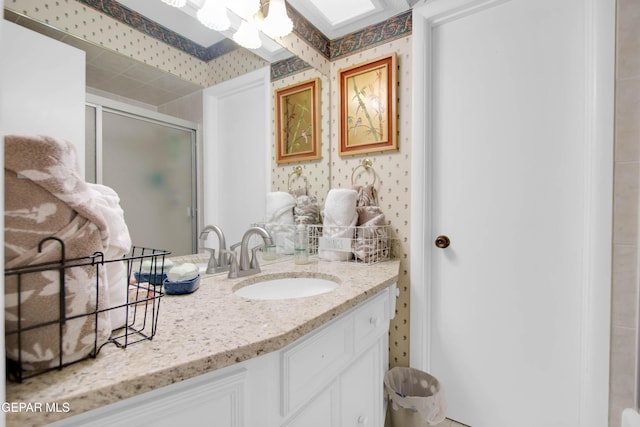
(442, 241)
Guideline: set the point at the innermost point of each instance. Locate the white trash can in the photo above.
(416, 399)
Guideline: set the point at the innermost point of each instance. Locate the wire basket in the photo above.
(360, 244)
(26, 323)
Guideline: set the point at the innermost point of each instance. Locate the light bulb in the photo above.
(277, 23)
(245, 8)
(213, 14)
(247, 35)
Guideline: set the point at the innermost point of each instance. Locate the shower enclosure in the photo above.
(149, 159)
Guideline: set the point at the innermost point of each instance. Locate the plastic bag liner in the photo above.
(417, 399)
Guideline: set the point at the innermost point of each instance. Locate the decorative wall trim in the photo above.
(373, 35)
(287, 67)
(393, 28)
(151, 28)
(309, 33)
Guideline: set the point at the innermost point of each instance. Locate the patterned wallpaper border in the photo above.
(287, 67)
(309, 33)
(373, 35)
(393, 28)
(145, 25)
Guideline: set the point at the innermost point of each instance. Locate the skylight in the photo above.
(338, 11)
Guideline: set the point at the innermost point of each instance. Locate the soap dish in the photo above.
(182, 286)
(153, 279)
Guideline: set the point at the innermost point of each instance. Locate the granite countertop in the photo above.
(198, 333)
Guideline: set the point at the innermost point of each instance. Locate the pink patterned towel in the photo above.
(371, 241)
(45, 196)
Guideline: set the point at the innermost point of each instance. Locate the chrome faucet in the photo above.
(222, 263)
(247, 265)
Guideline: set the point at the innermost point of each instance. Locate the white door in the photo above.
(236, 153)
(150, 163)
(513, 158)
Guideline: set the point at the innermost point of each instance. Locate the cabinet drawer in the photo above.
(311, 364)
(371, 321)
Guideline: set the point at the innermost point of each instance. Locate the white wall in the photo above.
(43, 87)
(42, 91)
(236, 153)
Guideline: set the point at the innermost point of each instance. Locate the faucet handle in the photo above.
(254, 258)
(233, 263)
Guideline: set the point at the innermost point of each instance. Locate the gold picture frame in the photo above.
(298, 122)
(368, 106)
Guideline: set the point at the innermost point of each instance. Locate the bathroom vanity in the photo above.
(221, 360)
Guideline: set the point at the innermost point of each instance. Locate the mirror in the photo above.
(160, 89)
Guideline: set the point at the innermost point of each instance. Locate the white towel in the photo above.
(340, 217)
(279, 220)
(119, 244)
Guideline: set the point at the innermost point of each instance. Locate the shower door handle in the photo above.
(442, 241)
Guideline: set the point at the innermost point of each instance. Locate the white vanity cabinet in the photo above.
(331, 377)
(215, 399)
(340, 369)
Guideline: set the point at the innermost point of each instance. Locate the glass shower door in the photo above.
(151, 165)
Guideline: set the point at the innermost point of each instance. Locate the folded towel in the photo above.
(340, 217)
(371, 242)
(280, 207)
(46, 196)
(367, 195)
(306, 210)
(279, 220)
(119, 244)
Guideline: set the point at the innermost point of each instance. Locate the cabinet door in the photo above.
(318, 413)
(199, 402)
(361, 395)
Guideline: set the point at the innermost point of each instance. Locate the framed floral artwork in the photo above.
(298, 122)
(368, 106)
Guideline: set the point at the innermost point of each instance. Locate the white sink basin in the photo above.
(285, 288)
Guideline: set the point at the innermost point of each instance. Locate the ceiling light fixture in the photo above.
(245, 9)
(213, 14)
(175, 3)
(247, 35)
(277, 23)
